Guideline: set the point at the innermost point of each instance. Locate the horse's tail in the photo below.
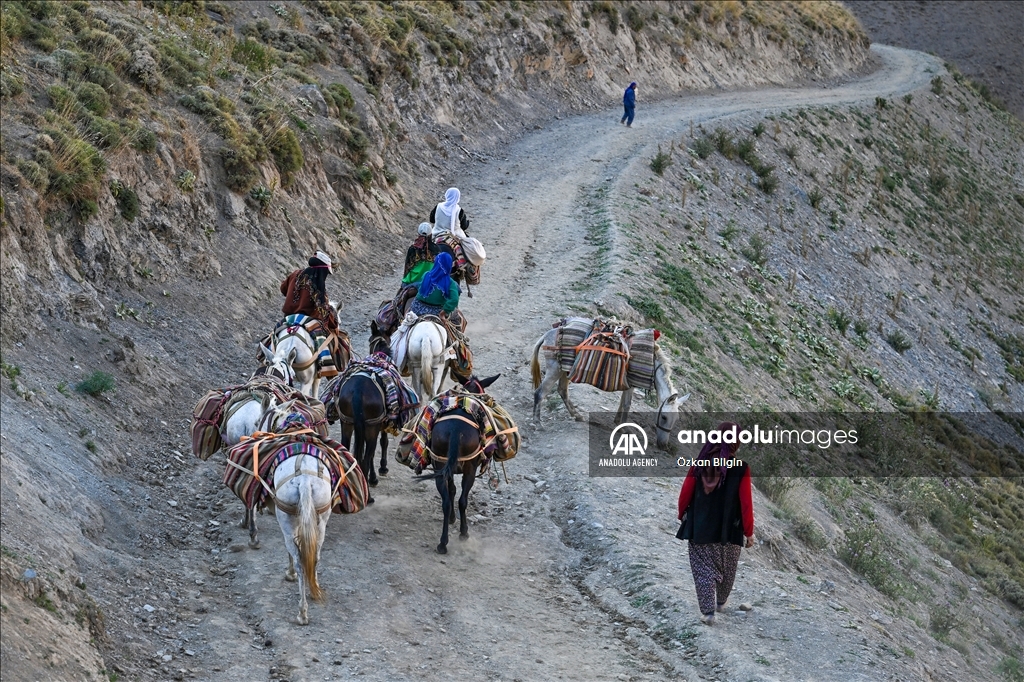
(359, 423)
(535, 363)
(454, 447)
(427, 364)
(307, 536)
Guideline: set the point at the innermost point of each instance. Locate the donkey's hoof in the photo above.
(442, 549)
(369, 501)
(291, 576)
(373, 482)
(302, 620)
(255, 544)
(464, 536)
(383, 471)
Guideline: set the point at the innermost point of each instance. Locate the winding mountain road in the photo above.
(513, 601)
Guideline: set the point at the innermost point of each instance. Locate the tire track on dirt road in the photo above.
(502, 605)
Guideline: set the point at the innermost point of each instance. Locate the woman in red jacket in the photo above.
(305, 292)
(717, 512)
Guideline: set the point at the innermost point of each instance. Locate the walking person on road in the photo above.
(629, 104)
(717, 512)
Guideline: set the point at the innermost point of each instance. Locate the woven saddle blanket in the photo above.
(261, 455)
(573, 331)
(212, 412)
(330, 358)
(499, 436)
(400, 398)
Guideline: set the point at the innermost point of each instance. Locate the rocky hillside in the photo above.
(138, 137)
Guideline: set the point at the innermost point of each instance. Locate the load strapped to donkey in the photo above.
(213, 411)
(499, 435)
(331, 352)
(399, 399)
(252, 463)
(605, 354)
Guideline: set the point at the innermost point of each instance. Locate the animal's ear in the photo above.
(489, 380)
(291, 355)
(672, 398)
(337, 306)
(267, 353)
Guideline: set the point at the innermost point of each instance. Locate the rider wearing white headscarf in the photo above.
(448, 216)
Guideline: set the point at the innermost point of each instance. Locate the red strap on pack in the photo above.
(657, 335)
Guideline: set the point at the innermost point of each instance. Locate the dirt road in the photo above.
(530, 595)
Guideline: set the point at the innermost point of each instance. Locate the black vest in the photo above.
(716, 518)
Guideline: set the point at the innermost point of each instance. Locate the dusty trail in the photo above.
(514, 601)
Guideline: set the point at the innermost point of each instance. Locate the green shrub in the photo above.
(809, 532)
(127, 200)
(186, 181)
(861, 327)
(814, 198)
(768, 184)
(287, 153)
(35, 174)
(104, 132)
(240, 166)
(1011, 669)
(144, 139)
(758, 129)
(839, 320)
(93, 97)
(338, 96)
(253, 55)
(364, 175)
(937, 85)
(944, 618)
(898, 341)
(865, 551)
(704, 147)
(791, 151)
(756, 250)
(178, 64)
(634, 19)
(647, 307)
(724, 143)
(609, 10)
(96, 384)
(660, 162)
(262, 195)
(682, 286)
(745, 149)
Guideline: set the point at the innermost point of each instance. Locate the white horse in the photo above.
(668, 399)
(302, 493)
(299, 347)
(424, 350)
(246, 416)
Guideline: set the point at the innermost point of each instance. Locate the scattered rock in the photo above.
(746, 607)
(29, 574)
(149, 608)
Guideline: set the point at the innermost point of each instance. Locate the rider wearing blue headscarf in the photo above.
(438, 290)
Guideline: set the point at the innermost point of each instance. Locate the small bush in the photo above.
(660, 162)
(704, 147)
(127, 200)
(253, 55)
(809, 532)
(682, 286)
(944, 619)
(144, 140)
(12, 372)
(724, 143)
(881, 103)
(94, 98)
(865, 551)
(898, 341)
(96, 384)
(861, 327)
(768, 184)
(839, 320)
(262, 195)
(790, 151)
(756, 250)
(745, 149)
(758, 129)
(240, 166)
(35, 174)
(364, 175)
(1011, 669)
(937, 85)
(338, 96)
(648, 307)
(814, 198)
(634, 19)
(186, 181)
(287, 153)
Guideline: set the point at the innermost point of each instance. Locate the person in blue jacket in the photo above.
(629, 104)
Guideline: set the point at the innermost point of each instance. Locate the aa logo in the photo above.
(628, 439)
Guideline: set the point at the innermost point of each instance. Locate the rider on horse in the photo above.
(448, 216)
(438, 293)
(305, 293)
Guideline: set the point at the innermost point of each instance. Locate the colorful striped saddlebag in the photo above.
(602, 361)
(263, 452)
